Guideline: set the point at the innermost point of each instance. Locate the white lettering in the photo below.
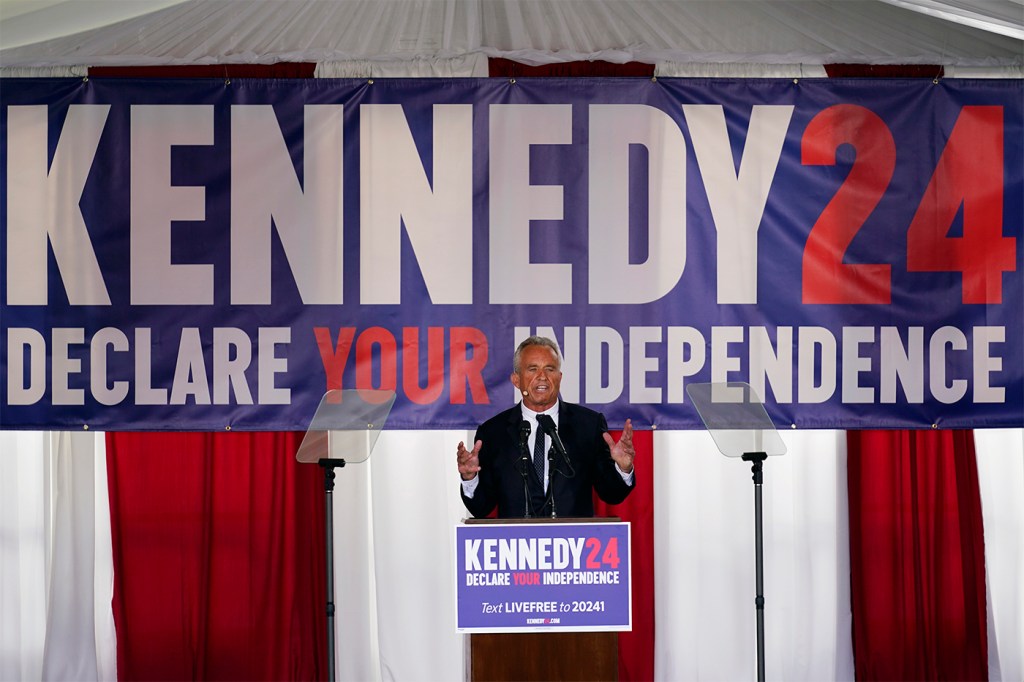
(271, 365)
(737, 198)
(64, 365)
(145, 393)
(395, 191)
(723, 364)
(943, 392)
(308, 218)
(232, 355)
(101, 340)
(157, 203)
(985, 364)
(473, 555)
(514, 202)
(686, 356)
(903, 364)
(22, 342)
(809, 340)
(614, 128)
(855, 364)
(190, 371)
(43, 205)
(601, 363)
(774, 365)
(544, 554)
(640, 365)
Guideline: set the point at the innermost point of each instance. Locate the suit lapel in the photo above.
(565, 423)
(515, 417)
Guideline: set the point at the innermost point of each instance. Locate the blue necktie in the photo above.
(538, 454)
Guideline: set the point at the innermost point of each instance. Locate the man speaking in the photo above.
(544, 456)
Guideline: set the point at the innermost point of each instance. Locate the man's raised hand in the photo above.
(622, 451)
(469, 460)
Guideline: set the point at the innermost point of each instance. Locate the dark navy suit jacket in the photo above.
(505, 476)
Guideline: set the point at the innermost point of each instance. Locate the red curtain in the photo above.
(218, 542)
(917, 558)
(636, 648)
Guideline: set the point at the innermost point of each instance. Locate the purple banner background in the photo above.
(132, 363)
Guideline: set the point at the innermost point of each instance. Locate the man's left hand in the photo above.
(622, 451)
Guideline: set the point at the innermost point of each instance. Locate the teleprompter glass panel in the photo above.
(346, 425)
(735, 417)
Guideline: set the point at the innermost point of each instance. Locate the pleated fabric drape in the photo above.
(218, 544)
(917, 556)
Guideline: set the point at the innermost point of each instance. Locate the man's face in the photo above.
(538, 377)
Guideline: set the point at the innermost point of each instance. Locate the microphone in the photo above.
(524, 435)
(548, 425)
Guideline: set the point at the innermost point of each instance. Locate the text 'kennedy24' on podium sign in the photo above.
(528, 577)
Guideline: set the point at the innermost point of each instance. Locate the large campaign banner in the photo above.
(206, 254)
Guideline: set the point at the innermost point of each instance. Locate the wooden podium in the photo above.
(544, 656)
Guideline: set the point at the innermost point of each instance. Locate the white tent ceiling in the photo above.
(953, 33)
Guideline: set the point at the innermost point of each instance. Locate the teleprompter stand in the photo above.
(736, 419)
(343, 431)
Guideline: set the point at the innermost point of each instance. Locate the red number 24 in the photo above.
(969, 173)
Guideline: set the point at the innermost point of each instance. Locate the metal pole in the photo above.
(328, 466)
(756, 459)
(759, 600)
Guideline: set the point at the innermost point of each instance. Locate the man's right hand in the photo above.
(469, 460)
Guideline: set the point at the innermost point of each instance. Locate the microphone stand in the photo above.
(547, 424)
(524, 467)
(526, 492)
(757, 459)
(551, 481)
(328, 464)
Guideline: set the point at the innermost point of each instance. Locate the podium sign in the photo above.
(529, 577)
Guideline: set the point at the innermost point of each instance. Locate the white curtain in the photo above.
(704, 560)
(400, 510)
(23, 568)
(1001, 480)
(394, 518)
(56, 574)
(394, 521)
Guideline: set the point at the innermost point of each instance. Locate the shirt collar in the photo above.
(530, 415)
